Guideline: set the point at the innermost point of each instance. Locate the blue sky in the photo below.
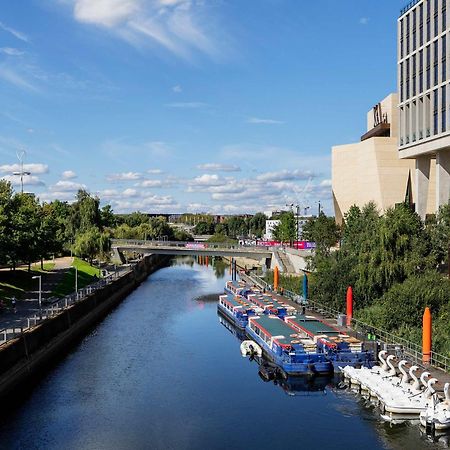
(222, 106)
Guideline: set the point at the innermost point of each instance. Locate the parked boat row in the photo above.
(404, 397)
(297, 343)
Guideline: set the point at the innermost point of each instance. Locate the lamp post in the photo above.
(21, 173)
(40, 294)
(76, 281)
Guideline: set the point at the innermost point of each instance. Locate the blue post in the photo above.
(305, 286)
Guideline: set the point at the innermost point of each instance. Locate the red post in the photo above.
(426, 336)
(349, 305)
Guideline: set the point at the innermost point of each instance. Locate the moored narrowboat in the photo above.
(283, 345)
(237, 309)
(270, 305)
(339, 347)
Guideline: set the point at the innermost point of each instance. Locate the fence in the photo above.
(6, 334)
(402, 347)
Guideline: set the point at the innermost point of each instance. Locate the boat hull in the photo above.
(237, 322)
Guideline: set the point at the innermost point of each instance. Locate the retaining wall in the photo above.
(24, 356)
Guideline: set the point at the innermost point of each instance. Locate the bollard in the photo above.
(276, 276)
(349, 306)
(426, 336)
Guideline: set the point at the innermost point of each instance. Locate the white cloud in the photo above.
(154, 171)
(175, 25)
(177, 89)
(67, 186)
(125, 176)
(55, 195)
(364, 20)
(186, 105)
(130, 193)
(156, 183)
(17, 34)
(258, 121)
(325, 183)
(28, 180)
(68, 175)
(206, 180)
(284, 175)
(216, 167)
(11, 51)
(35, 169)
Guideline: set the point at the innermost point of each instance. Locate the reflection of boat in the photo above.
(236, 332)
(237, 308)
(282, 345)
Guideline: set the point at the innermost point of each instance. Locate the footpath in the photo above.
(28, 305)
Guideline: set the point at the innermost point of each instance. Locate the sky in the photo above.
(170, 106)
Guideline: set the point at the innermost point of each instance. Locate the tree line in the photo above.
(396, 264)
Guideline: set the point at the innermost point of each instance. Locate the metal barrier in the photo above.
(9, 333)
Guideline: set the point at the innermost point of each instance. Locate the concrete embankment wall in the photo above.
(28, 354)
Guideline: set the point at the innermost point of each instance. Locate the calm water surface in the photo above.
(162, 372)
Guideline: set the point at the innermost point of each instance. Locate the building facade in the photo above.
(424, 95)
(371, 170)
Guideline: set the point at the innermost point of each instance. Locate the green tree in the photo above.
(286, 230)
(258, 225)
(6, 213)
(237, 227)
(92, 243)
(204, 228)
(107, 217)
(323, 231)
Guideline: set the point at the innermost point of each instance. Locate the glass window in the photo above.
(435, 112)
(414, 75)
(414, 30)
(428, 20)
(428, 67)
(421, 71)
(436, 18)
(444, 110)
(435, 64)
(444, 15)
(444, 58)
(421, 25)
(407, 79)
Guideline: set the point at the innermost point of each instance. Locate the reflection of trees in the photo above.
(219, 267)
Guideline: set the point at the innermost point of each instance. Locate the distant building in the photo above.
(370, 170)
(270, 226)
(423, 83)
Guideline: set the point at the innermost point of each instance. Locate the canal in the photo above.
(162, 372)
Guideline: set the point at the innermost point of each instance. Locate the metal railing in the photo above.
(22, 325)
(401, 346)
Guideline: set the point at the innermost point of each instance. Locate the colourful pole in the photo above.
(231, 266)
(305, 286)
(349, 305)
(426, 336)
(276, 276)
(206, 261)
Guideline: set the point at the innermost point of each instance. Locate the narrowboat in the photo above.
(342, 349)
(270, 305)
(236, 287)
(283, 345)
(237, 309)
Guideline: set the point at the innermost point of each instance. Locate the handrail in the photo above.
(9, 333)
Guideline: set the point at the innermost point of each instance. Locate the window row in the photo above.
(425, 117)
(424, 70)
(422, 24)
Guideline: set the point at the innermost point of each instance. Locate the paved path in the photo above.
(29, 305)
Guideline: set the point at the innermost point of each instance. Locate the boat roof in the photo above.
(264, 300)
(273, 326)
(237, 283)
(237, 300)
(313, 326)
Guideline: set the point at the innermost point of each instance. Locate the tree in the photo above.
(258, 225)
(221, 228)
(107, 217)
(204, 228)
(323, 231)
(286, 230)
(6, 212)
(236, 226)
(439, 231)
(92, 243)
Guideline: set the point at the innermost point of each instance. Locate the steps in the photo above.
(285, 261)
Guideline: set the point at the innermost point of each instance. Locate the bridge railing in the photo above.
(56, 307)
(183, 244)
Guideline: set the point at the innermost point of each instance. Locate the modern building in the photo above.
(423, 83)
(370, 170)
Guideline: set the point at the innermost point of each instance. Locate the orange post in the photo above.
(349, 305)
(206, 261)
(426, 336)
(276, 278)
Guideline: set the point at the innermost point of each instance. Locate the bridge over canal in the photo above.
(176, 248)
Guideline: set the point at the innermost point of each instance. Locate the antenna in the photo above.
(21, 156)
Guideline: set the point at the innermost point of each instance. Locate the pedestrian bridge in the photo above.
(190, 248)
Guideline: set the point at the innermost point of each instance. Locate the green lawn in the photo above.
(47, 267)
(86, 275)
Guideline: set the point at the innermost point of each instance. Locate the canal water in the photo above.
(162, 372)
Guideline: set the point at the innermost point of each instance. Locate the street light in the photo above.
(40, 294)
(21, 173)
(76, 281)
